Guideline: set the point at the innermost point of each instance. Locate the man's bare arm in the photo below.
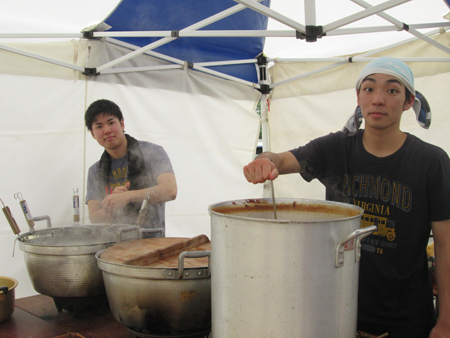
(164, 191)
(268, 166)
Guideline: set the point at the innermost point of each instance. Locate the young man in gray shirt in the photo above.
(128, 172)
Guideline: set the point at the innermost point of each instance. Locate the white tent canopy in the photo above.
(207, 124)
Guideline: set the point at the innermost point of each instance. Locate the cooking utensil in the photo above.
(76, 207)
(300, 271)
(167, 297)
(10, 218)
(273, 200)
(144, 208)
(7, 297)
(61, 261)
(108, 215)
(25, 210)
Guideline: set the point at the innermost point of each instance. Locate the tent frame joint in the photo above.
(90, 71)
(175, 34)
(262, 60)
(188, 65)
(88, 34)
(312, 33)
(264, 89)
(264, 86)
(405, 27)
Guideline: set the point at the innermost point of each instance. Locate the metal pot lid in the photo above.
(71, 240)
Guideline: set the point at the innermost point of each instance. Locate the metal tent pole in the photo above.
(274, 15)
(181, 64)
(363, 14)
(360, 58)
(402, 25)
(198, 25)
(264, 82)
(40, 57)
(310, 12)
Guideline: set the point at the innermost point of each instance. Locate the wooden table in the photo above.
(38, 317)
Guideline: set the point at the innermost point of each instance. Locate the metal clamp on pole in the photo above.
(263, 78)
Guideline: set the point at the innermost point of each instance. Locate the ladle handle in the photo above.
(11, 220)
(273, 200)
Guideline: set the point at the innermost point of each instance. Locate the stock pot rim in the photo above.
(267, 202)
(26, 241)
(10, 279)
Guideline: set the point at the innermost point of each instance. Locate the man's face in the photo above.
(382, 101)
(108, 131)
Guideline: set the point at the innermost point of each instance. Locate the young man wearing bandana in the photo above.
(128, 172)
(407, 183)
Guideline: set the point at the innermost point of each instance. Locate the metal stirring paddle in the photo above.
(273, 200)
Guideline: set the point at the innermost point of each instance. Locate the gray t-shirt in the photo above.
(156, 162)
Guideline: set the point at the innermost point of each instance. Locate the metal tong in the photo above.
(144, 207)
(109, 215)
(76, 207)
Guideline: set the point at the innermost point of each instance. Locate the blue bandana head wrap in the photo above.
(391, 66)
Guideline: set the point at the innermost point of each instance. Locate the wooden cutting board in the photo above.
(158, 252)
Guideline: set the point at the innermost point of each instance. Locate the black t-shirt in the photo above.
(401, 194)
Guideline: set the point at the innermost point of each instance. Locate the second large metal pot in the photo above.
(294, 276)
(160, 301)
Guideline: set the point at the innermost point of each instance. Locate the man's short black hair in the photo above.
(101, 107)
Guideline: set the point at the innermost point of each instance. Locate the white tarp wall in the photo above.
(320, 104)
(207, 125)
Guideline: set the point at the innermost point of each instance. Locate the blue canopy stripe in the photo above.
(175, 15)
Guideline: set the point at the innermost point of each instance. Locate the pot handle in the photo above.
(192, 254)
(3, 292)
(126, 229)
(151, 231)
(43, 218)
(359, 234)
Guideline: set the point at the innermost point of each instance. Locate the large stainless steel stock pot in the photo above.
(294, 276)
